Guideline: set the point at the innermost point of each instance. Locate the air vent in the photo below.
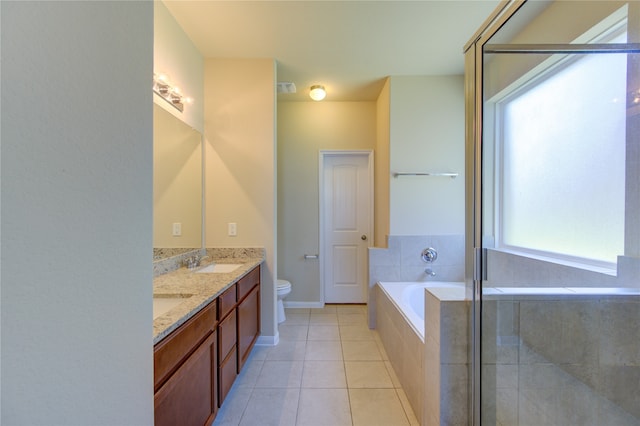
(286, 87)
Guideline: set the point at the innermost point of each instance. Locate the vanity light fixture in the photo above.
(634, 99)
(169, 93)
(317, 92)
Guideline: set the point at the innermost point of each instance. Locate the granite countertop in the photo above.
(198, 289)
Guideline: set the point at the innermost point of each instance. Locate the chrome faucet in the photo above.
(429, 255)
(193, 262)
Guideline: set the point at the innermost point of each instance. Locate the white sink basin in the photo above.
(219, 268)
(162, 305)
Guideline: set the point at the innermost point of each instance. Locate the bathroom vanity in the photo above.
(202, 342)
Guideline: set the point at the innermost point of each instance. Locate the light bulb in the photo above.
(317, 93)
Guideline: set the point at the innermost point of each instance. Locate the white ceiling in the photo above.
(348, 46)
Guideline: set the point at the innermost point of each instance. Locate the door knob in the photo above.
(363, 238)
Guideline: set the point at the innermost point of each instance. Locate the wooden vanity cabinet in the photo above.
(248, 312)
(196, 365)
(185, 372)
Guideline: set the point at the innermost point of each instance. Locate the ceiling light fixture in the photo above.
(317, 92)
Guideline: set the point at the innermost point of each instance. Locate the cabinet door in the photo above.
(188, 398)
(227, 375)
(248, 324)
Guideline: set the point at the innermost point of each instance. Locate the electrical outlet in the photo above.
(177, 229)
(232, 229)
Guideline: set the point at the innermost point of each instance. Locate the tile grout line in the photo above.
(299, 387)
(346, 380)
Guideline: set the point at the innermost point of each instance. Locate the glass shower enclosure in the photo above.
(553, 169)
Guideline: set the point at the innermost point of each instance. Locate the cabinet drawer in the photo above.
(226, 301)
(248, 282)
(226, 335)
(188, 397)
(226, 375)
(172, 350)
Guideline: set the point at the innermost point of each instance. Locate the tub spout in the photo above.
(430, 272)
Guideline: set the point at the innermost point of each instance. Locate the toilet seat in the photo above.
(283, 284)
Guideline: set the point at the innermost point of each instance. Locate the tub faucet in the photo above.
(430, 272)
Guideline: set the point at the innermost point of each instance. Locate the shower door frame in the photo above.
(475, 270)
(473, 189)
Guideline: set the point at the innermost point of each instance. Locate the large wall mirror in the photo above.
(177, 186)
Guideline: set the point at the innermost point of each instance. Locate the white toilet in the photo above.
(283, 290)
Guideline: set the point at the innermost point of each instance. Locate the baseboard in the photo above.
(288, 304)
(268, 340)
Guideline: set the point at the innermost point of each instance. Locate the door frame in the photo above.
(474, 268)
(325, 153)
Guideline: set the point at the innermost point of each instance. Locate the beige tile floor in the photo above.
(329, 369)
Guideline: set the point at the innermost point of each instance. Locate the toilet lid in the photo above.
(283, 284)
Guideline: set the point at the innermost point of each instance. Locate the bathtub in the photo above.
(400, 321)
(408, 297)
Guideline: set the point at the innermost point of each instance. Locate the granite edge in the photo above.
(203, 288)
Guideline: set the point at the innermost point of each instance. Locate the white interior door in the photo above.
(346, 204)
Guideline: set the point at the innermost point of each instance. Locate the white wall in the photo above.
(240, 164)
(76, 213)
(176, 56)
(304, 128)
(427, 135)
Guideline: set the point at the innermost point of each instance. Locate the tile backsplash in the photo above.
(161, 253)
(402, 261)
(174, 260)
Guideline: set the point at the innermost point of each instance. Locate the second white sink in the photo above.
(219, 268)
(161, 305)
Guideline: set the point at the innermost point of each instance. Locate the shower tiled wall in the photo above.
(401, 261)
(550, 360)
(511, 270)
(569, 360)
